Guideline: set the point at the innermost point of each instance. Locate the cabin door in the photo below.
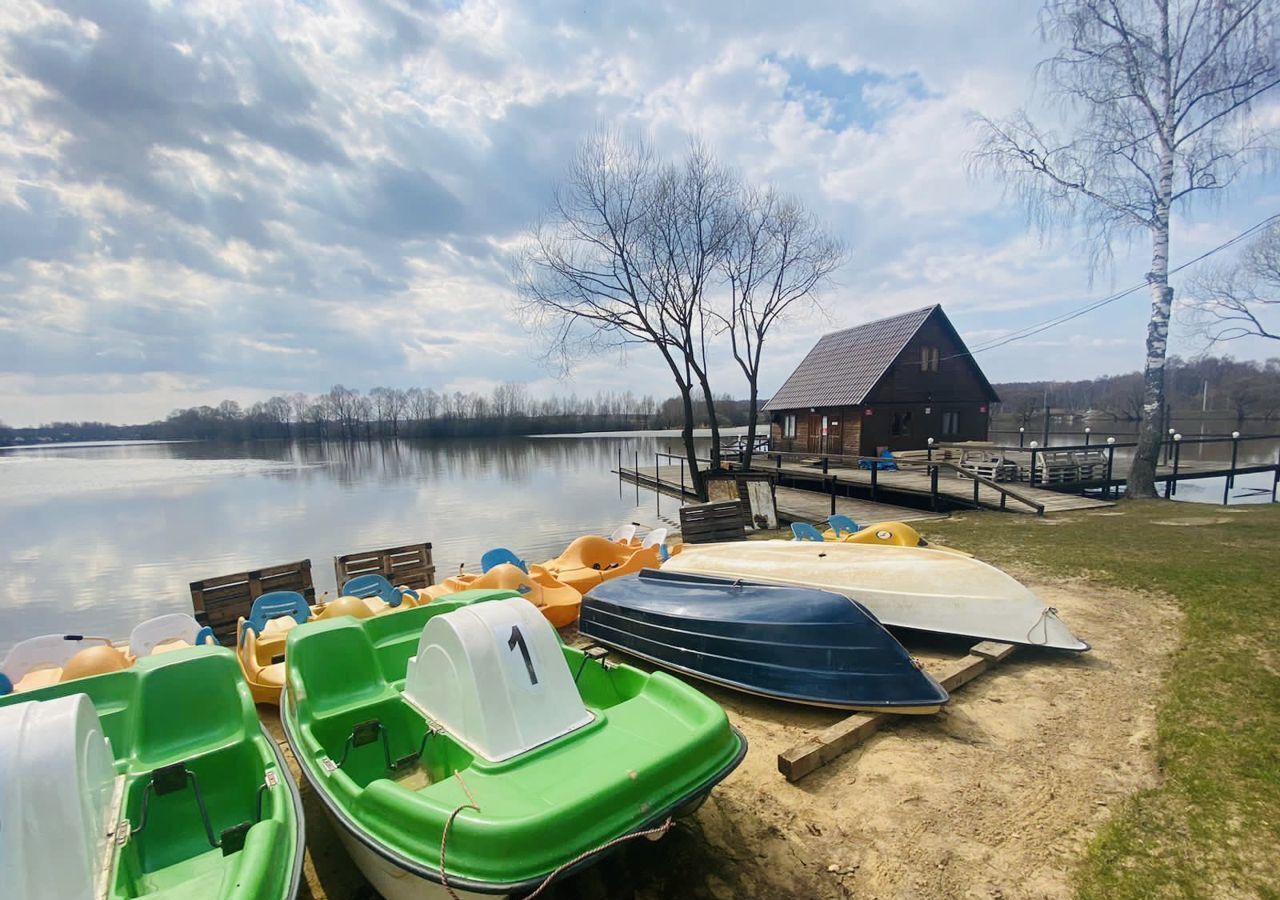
(835, 435)
(817, 431)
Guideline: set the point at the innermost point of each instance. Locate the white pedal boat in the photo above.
(904, 587)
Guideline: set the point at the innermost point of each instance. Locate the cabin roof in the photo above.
(844, 367)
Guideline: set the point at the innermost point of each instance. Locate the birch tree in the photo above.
(1159, 94)
(777, 262)
(1241, 299)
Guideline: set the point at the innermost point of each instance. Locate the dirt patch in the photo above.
(995, 797)
(1193, 520)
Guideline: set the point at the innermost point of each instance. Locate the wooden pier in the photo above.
(793, 504)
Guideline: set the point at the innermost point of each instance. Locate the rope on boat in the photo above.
(658, 831)
(1044, 619)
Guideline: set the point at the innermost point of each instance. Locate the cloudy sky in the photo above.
(208, 198)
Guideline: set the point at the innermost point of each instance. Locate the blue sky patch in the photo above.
(840, 99)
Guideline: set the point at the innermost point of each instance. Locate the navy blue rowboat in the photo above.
(796, 644)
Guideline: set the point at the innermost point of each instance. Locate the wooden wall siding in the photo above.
(410, 565)
(221, 601)
(956, 380)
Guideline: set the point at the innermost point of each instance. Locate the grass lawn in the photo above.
(1212, 828)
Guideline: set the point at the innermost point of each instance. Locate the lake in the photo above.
(100, 537)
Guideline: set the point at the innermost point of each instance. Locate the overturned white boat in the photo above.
(905, 587)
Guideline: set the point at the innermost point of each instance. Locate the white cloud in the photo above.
(229, 199)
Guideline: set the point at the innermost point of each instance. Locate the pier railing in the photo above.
(874, 465)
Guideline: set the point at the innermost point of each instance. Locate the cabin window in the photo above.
(950, 423)
(789, 425)
(929, 359)
(901, 426)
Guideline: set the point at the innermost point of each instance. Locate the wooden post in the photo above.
(778, 462)
(975, 492)
(875, 467)
(833, 494)
(682, 481)
(657, 486)
(826, 464)
(1177, 456)
(933, 487)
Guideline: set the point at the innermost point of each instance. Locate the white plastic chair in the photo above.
(623, 534)
(148, 635)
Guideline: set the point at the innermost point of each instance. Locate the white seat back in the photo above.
(148, 635)
(52, 650)
(493, 675)
(655, 538)
(623, 533)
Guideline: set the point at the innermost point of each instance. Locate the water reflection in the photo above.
(100, 537)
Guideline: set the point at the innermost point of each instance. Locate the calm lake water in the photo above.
(100, 537)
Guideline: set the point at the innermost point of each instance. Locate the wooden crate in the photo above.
(410, 565)
(754, 491)
(220, 602)
(705, 523)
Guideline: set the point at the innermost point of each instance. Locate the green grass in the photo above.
(1212, 828)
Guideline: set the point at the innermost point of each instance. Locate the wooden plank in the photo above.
(846, 734)
(707, 522)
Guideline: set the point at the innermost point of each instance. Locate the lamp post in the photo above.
(1111, 460)
(1087, 431)
(1032, 480)
(930, 449)
(1171, 486)
(1022, 436)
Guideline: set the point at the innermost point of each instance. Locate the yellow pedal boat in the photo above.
(557, 601)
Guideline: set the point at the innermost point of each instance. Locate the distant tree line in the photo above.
(343, 413)
(1243, 389)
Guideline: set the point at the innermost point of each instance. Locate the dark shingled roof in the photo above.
(844, 366)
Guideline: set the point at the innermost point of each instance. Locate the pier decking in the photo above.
(794, 504)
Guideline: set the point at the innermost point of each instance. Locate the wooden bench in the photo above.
(410, 565)
(705, 523)
(220, 602)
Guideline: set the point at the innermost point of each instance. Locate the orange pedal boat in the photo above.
(557, 601)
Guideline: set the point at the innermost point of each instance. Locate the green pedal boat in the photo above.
(156, 781)
(460, 746)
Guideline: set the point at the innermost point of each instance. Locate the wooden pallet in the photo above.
(846, 734)
(410, 565)
(220, 602)
(704, 523)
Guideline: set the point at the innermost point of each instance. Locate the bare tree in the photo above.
(598, 273)
(777, 260)
(1241, 299)
(694, 214)
(1159, 89)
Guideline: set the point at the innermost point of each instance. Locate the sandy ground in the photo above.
(995, 797)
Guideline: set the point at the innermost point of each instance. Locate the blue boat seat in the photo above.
(273, 605)
(374, 585)
(803, 531)
(840, 524)
(500, 555)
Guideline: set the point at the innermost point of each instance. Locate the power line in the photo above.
(1037, 328)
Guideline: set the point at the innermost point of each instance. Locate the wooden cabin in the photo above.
(889, 384)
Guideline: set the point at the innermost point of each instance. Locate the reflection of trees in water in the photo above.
(511, 460)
